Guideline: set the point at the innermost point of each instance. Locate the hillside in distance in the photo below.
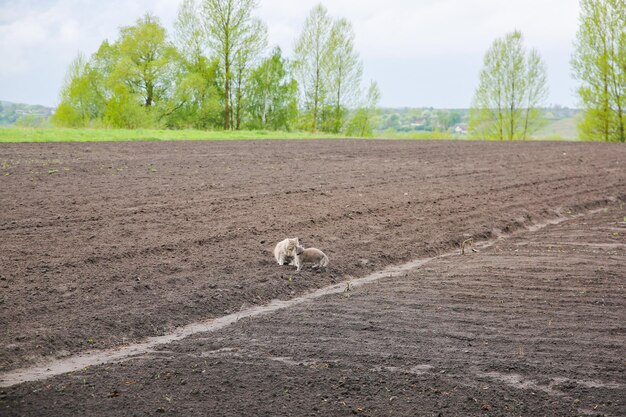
(560, 122)
(32, 115)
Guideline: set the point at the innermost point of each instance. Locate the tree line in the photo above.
(599, 63)
(215, 72)
(513, 81)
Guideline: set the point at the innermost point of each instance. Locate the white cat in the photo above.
(285, 251)
(310, 256)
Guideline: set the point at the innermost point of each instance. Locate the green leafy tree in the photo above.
(190, 37)
(512, 87)
(362, 123)
(328, 71)
(311, 64)
(123, 106)
(125, 84)
(82, 97)
(392, 122)
(536, 93)
(138, 74)
(247, 55)
(72, 109)
(272, 95)
(144, 60)
(599, 62)
(345, 71)
(124, 110)
(229, 25)
(196, 99)
(444, 119)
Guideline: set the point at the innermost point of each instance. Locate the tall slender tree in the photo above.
(511, 88)
(189, 35)
(536, 92)
(246, 57)
(311, 63)
(229, 25)
(599, 62)
(196, 102)
(345, 71)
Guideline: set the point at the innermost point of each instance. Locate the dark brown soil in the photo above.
(105, 244)
(532, 326)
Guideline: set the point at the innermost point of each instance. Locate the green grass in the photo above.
(16, 134)
(20, 134)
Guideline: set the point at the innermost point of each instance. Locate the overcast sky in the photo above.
(421, 52)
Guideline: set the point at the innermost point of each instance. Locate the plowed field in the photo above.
(104, 245)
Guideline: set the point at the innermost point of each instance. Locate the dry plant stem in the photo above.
(469, 241)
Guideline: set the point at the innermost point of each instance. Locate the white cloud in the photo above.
(422, 52)
(429, 52)
(437, 26)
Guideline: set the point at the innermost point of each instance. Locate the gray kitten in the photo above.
(310, 256)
